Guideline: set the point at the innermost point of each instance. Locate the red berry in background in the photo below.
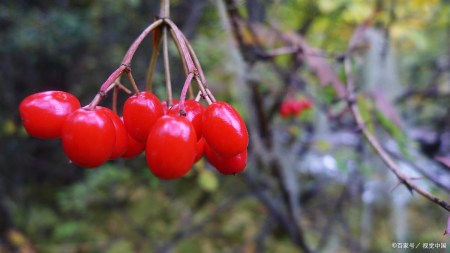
(285, 109)
(43, 114)
(306, 104)
(88, 137)
(140, 112)
(134, 148)
(171, 147)
(227, 166)
(224, 130)
(194, 111)
(121, 143)
(199, 150)
(294, 107)
(165, 107)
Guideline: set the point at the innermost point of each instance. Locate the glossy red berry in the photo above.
(88, 137)
(121, 143)
(43, 114)
(227, 166)
(200, 149)
(165, 107)
(224, 130)
(194, 112)
(134, 148)
(140, 112)
(171, 147)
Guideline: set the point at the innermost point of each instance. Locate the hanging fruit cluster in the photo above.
(173, 133)
(294, 107)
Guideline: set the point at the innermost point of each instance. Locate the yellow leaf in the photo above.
(208, 181)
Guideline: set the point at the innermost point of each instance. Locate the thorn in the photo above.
(410, 189)
(401, 181)
(395, 187)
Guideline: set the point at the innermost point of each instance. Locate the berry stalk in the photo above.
(167, 68)
(151, 68)
(184, 92)
(124, 66)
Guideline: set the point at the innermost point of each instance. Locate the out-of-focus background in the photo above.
(312, 183)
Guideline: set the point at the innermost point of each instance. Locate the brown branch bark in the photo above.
(374, 142)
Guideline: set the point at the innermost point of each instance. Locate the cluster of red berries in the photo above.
(173, 139)
(294, 107)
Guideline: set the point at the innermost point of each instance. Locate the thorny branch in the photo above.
(372, 139)
(349, 92)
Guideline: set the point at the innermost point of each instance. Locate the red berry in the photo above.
(121, 143)
(227, 166)
(43, 114)
(306, 104)
(171, 147)
(165, 107)
(194, 111)
(224, 130)
(88, 137)
(200, 147)
(140, 112)
(296, 107)
(285, 109)
(134, 148)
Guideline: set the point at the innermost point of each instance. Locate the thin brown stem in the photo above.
(182, 45)
(199, 95)
(98, 97)
(113, 77)
(133, 83)
(205, 92)
(202, 81)
(191, 92)
(165, 9)
(125, 89)
(114, 98)
(186, 85)
(195, 59)
(197, 64)
(124, 66)
(153, 59)
(130, 53)
(167, 68)
(185, 54)
(210, 95)
(178, 46)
